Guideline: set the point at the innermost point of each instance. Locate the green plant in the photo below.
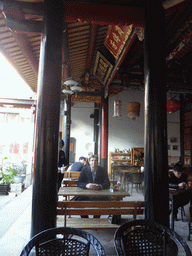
(7, 174)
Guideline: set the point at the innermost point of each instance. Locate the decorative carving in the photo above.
(102, 68)
(87, 99)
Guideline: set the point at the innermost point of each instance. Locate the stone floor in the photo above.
(15, 228)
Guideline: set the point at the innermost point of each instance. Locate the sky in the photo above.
(11, 83)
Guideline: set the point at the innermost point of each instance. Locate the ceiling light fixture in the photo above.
(76, 88)
(70, 82)
(67, 91)
(70, 87)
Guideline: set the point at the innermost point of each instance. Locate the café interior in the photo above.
(89, 52)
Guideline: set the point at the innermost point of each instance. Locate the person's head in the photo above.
(178, 169)
(61, 144)
(93, 162)
(189, 180)
(82, 159)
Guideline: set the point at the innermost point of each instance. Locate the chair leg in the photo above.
(190, 230)
(182, 212)
(132, 189)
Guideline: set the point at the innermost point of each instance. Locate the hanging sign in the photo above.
(102, 68)
(116, 38)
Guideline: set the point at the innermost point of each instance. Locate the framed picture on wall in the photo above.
(175, 147)
(187, 160)
(173, 139)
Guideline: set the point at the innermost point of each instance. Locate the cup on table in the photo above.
(62, 169)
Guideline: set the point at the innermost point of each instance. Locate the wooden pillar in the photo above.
(67, 126)
(104, 130)
(44, 199)
(96, 128)
(156, 159)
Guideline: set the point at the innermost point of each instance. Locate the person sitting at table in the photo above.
(189, 181)
(178, 180)
(77, 166)
(93, 177)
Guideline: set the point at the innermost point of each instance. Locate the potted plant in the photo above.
(6, 178)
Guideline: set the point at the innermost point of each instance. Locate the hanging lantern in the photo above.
(173, 105)
(117, 108)
(133, 110)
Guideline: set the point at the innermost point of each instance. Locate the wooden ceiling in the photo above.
(84, 37)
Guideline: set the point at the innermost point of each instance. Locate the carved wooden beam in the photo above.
(87, 99)
(91, 47)
(27, 51)
(104, 14)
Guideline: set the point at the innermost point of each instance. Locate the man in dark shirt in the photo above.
(77, 166)
(178, 179)
(93, 177)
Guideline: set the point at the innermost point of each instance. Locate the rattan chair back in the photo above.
(141, 237)
(63, 241)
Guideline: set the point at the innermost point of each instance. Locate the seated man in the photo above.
(77, 166)
(93, 177)
(178, 179)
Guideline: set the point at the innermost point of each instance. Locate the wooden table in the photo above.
(76, 191)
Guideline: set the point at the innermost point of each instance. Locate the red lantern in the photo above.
(173, 105)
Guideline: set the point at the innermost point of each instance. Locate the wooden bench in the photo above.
(71, 208)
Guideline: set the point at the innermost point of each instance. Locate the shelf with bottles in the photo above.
(118, 158)
(137, 156)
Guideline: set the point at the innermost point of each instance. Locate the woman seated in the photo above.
(178, 179)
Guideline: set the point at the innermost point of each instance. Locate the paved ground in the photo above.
(4, 200)
(15, 228)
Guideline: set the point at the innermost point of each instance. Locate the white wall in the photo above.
(124, 133)
(82, 128)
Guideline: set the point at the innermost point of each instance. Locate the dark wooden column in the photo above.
(67, 99)
(182, 128)
(156, 159)
(96, 128)
(47, 127)
(67, 126)
(104, 129)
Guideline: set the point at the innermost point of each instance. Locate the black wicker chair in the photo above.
(63, 241)
(142, 237)
(136, 179)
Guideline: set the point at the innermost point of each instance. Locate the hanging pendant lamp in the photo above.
(133, 110)
(173, 105)
(117, 108)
